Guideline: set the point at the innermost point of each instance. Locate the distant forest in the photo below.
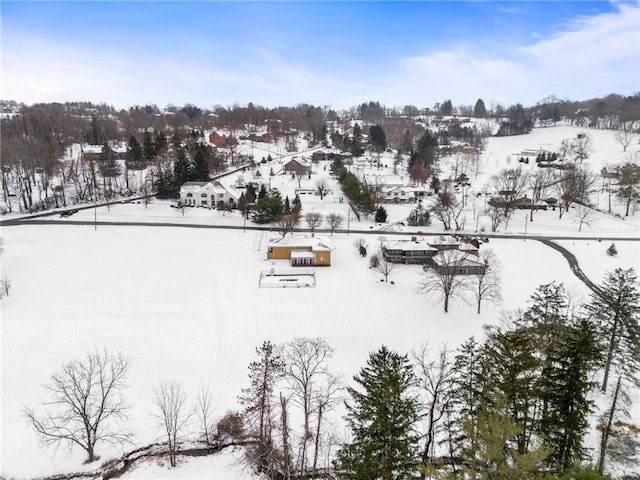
(34, 138)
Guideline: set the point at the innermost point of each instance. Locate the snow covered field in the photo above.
(185, 303)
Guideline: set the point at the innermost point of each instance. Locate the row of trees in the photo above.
(516, 405)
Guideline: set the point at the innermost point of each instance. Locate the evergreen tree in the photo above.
(165, 184)
(615, 307)
(149, 149)
(378, 138)
(446, 108)
(201, 164)
(258, 404)
(182, 169)
(612, 250)
(382, 415)
(419, 217)
(381, 215)
(479, 110)
(427, 150)
(134, 152)
(574, 357)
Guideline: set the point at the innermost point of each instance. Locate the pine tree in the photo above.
(382, 415)
(201, 164)
(134, 152)
(479, 110)
(612, 250)
(182, 169)
(381, 215)
(615, 307)
(259, 409)
(574, 357)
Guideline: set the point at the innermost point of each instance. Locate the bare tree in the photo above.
(314, 220)
(539, 183)
(573, 187)
(87, 404)
(624, 136)
(488, 283)
(581, 147)
(286, 450)
(327, 395)
(286, 222)
(510, 183)
(203, 409)
(170, 402)
(497, 217)
(447, 208)
(434, 379)
(447, 284)
(5, 286)
(334, 220)
(628, 183)
(321, 186)
(584, 216)
(305, 369)
(361, 245)
(384, 266)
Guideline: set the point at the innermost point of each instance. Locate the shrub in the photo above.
(612, 250)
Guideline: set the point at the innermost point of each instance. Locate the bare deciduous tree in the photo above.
(314, 220)
(87, 404)
(305, 369)
(5, 286)
(497, 217)
(510, 183)
(203, 408)
(286, 222)
(434, 378)
(384, 266)
(628, 183)
(449, 283)
(573, 187)
(170, 402)
(334, 220)
(488, 283)
(584, 215)
(321, 186)
(581, 147)
(624, 136)
(446, 208)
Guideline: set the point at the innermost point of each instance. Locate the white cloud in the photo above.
(595, 56)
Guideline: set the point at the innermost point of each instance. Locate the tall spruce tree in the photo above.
(574, 357)
(382, 416)
(615, 308)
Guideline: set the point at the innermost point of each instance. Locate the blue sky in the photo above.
(330, 53)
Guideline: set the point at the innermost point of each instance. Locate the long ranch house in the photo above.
(301, 251)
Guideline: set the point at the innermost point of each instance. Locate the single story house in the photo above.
(208, 195)
(299, 167)
(457, 262)
(302, 251)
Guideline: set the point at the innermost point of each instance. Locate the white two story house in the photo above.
(208, 195)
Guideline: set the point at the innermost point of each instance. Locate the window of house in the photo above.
(189, 195)
(462, 271)
(203, 195)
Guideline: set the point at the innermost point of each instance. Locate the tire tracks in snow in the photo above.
(573, 264)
